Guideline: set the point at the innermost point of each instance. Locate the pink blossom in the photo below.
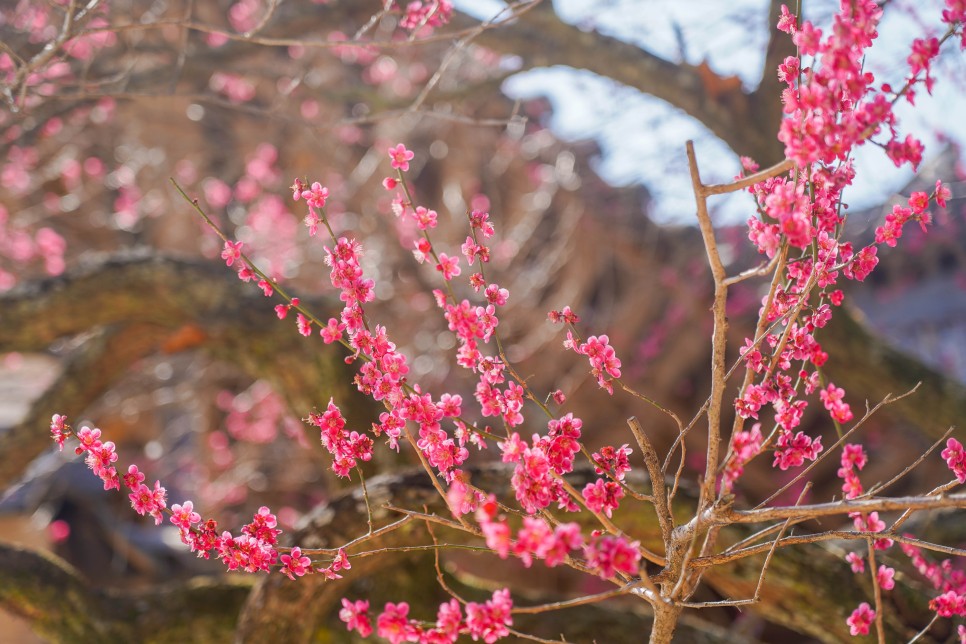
(744, 447)
(231, 252)
(480, 220)
(145, 500)
(304, 325)
(608, 555)
(949, 604)
(792, 451)
(942, 193)
(856, 561)
(853, 455)
(394, 625)
(471, 250)
(601, 496)
(496, 295)
(832, 399)
(612, 461)
(955, 457)
(295, 565)
(786, 23)
(356, 616)
(603, 360)
(535, 537)
(449, 621)
(861, 619)
(428, 13)
(490, 621)
(400, 157)
(884, 577)
(184, 516)
(316, 196)
(425, 218)
(59, 430)
(332, 331)
(448, 266)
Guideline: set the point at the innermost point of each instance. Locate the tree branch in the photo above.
(151, 303)
(541, 39)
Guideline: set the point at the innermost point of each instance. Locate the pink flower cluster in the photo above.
(346, 447)
(832, 399)
(603, 496)
(254, 550)
(793, 451)
(955, 457)
(18, 245)
(891, 230)
(426, 13)
(836, 107)
(489, 621)
(831, 107)
(744, 446)
(603, 359)
(606, 554)
(612, 461)
(949, 581)
(853, 458)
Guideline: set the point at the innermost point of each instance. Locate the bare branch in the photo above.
(844, 507)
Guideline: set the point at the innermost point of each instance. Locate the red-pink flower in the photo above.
(448, 266)
(856, 561)
(609, 555)
(356, 616)
(332, 331)
(304, 325)
(603, 496)
(231, 252)
(315, 196)
(955, 457)
(295, 565)
(786, 23)
(832, 399)
(59, 430)
(942, 194)
(792, 451)
(949, 603)
(884, 577)
(184, 515)
(861, 619)
(400, 157)
(394, 625)
(490, 621)
(425, 218)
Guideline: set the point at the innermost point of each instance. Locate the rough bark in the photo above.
(138, 304)
(62, 606)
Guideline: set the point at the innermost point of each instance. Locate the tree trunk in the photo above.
(665, 621)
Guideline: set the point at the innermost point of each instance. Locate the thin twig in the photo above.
(875, 489)
(925, 630)
(365, 496)
(372, 535)
(570, 603)
(653, 465)
(888, 400)
(831, 535)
